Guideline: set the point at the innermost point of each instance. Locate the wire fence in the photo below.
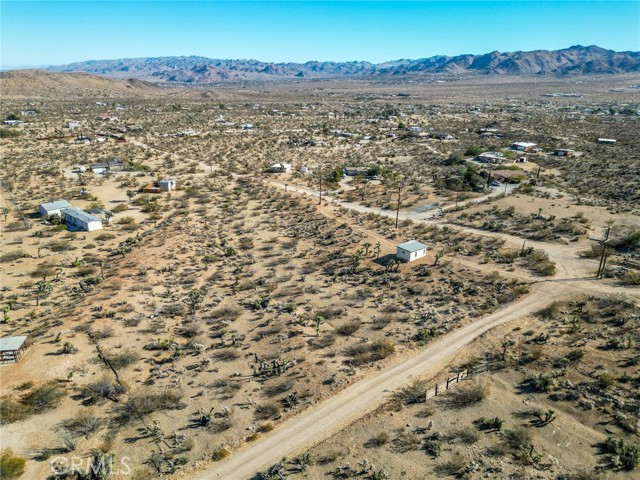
(450, 382)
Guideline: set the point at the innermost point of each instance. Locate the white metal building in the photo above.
(53, 208)
(411, 250)
(167, 184)
(76, 219)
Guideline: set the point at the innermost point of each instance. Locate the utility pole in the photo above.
(539, 168)
(320, 174)
(603, 253)
(398, 209)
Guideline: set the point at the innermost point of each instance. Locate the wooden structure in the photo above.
(12, 348)
(450, 382)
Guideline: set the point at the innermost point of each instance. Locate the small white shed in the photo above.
(167, 184)
(411, 250)
(53, 208)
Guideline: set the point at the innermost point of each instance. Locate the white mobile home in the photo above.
(76, 219)
(411, 250)
(281, 168)
(53, 208)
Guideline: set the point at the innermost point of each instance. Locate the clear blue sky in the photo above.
(56, 32)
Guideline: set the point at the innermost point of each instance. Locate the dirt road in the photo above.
(331, 415)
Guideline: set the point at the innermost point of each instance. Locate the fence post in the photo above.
(436, 393)
(458, 377)
(470, 371)
(447, 383)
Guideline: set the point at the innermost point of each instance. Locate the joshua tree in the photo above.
(43, 288)
(130, 194)
(195, 299)
(5, 212)
(319, 321)
(376, 249)
(366, 246)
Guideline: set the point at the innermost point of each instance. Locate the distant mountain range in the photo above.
(576, 60)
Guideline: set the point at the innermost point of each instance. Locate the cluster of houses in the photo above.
(73, 218)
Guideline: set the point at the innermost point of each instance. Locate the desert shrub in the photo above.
(365, 353)
(454, 467)
(278, 389)
(43, 398)
(349, 328)
(406, 441)
(466, 435)
(226, 387)
(267, 411)
(541, 383)
(11, 465)
(220, 453)
(146, 403)
(322, 342)
(378, 440)
(467, 395)
(103, 237)
(624, 455)
(59, 246)
(266, 427)
(414, 393)
(97, 392)
(84, 424)
(606, 380)
(226, 355)
(11, 411)
(12, 256)
(227, 313)
(124, 358)
(520, 438)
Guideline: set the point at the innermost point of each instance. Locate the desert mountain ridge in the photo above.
(196, 70)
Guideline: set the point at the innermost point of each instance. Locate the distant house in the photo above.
(523, 146)
(414, 129)
(606, 140)
(440, 136)
(490, 157)
(165, 185)
(73, 124)
(247, 126)
(355, 171)
(104, 167)
(76, 219)
(304, 170)
(280, 168)
(53, 208)
(13, 123)
(411, 250)
(82, 140)
(186, 133)
(106, 118)
(507, 176)
(563, 152)
(28, 112)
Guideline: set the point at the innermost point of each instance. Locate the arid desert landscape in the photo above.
(212, 282)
